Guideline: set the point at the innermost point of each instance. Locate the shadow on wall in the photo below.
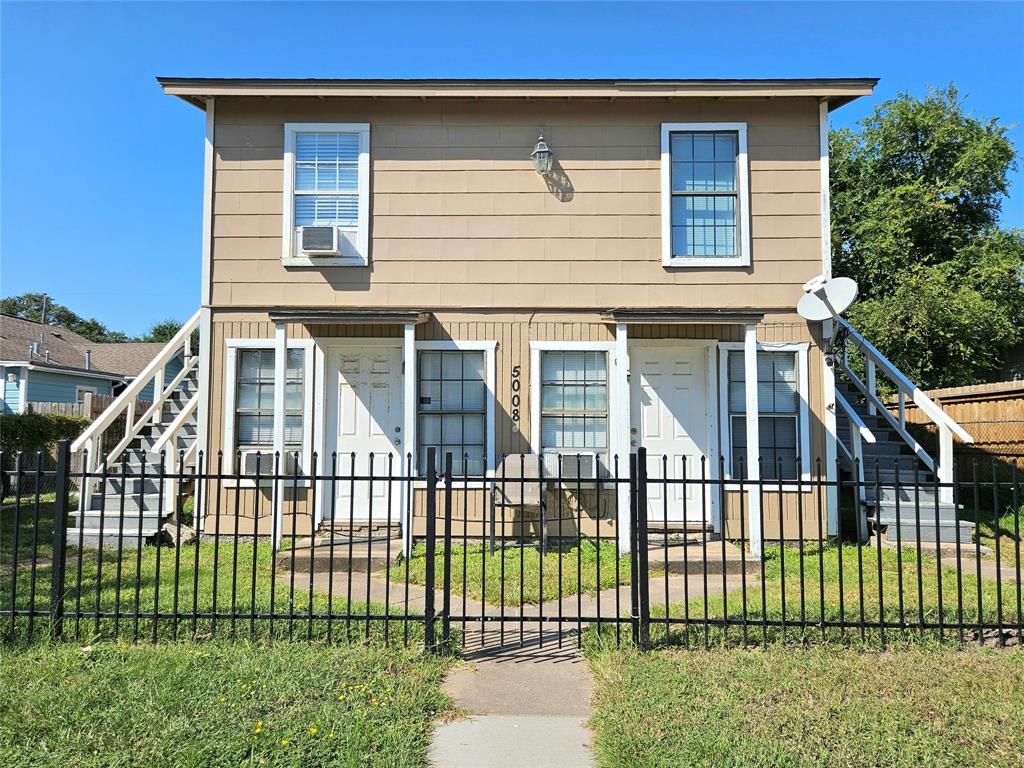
(559, 184)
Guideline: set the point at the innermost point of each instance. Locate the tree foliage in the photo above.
(916, 196)
(29, 306)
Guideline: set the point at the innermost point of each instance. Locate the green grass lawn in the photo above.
(238, 579)
(520, 570)
(808, 707)
(820, 593)
(217, 704)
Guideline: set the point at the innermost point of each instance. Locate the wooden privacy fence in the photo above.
(992, 413)
(90, 407)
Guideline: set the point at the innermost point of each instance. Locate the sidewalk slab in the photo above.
(512, 741)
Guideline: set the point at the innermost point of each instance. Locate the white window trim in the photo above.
(289, 257)
(803, 389)
(488, 348)
(79, 389)
(742, 194)
(230, 368)
(614, 395)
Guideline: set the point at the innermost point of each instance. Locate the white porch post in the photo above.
(828, 379)
(753, 438)
(620, 441)
(408, 439)
(280, 368)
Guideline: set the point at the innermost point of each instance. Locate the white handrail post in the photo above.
(158, 391)
(945, 468)
(872, 387)
(858, 463)
(902, 400)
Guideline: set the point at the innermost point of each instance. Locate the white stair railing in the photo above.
(876, 363)
(178, 459)
(859, 433)
(92, 439)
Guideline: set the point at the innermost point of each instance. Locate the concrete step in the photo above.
(131, 485)
(90, 538)
(945, 534)
(887, 512)
(922, 494)
(112, 518)
(131, 503)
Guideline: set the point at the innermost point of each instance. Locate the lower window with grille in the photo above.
(452, 409)
(778, 402)
(254, 400)
(574, 401)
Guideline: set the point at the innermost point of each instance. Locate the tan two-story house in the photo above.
(495, 267)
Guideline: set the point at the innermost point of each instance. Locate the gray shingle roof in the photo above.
(67, 349)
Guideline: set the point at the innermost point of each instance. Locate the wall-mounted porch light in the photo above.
(543, 159)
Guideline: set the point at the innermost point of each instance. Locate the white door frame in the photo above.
(323, 438)
(709, 347)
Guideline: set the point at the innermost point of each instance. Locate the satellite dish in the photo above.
(826, 299)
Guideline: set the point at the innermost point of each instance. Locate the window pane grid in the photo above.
(574, 400)
(705, 191)
(326, 179)
(452, 409)
(778, 413)
(254, 399)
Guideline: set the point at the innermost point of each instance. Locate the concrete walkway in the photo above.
(524, 685)
(527, 708)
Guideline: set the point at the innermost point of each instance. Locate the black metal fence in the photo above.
(364, 550)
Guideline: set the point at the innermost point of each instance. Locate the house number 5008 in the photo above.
(516, 372)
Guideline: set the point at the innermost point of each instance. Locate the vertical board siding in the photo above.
(513, 334)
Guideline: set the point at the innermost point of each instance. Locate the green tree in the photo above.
(29, 306)
(162, 331)
(916, 196)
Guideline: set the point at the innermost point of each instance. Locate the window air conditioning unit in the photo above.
(320, 241)
(576, 465)
(264, 462)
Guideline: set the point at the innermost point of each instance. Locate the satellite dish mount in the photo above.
(825, 299)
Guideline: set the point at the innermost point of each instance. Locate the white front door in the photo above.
(369, 420)
(670, 414)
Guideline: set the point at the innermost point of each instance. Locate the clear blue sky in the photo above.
(102, 175)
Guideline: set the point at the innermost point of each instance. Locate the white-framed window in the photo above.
(783, 413)
(249, 388)
(704, 188)
(327, 184)
(80, 392)
(574, 412)
(455, 404)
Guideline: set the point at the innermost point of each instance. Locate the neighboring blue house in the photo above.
(51, 364)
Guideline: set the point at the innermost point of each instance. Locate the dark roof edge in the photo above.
(344, 316)
(683, 316)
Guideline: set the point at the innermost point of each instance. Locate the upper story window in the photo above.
(326, 191)
(705, 218)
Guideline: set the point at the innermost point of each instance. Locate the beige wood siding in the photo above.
(460, 219)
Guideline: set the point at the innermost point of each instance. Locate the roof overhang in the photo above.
(836, 91)
(683, 316)
(35, 365)
(348, 316)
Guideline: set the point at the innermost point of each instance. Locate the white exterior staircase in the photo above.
(906, 492)
(134, 489)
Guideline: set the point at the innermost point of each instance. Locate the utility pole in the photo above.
(46, 300)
